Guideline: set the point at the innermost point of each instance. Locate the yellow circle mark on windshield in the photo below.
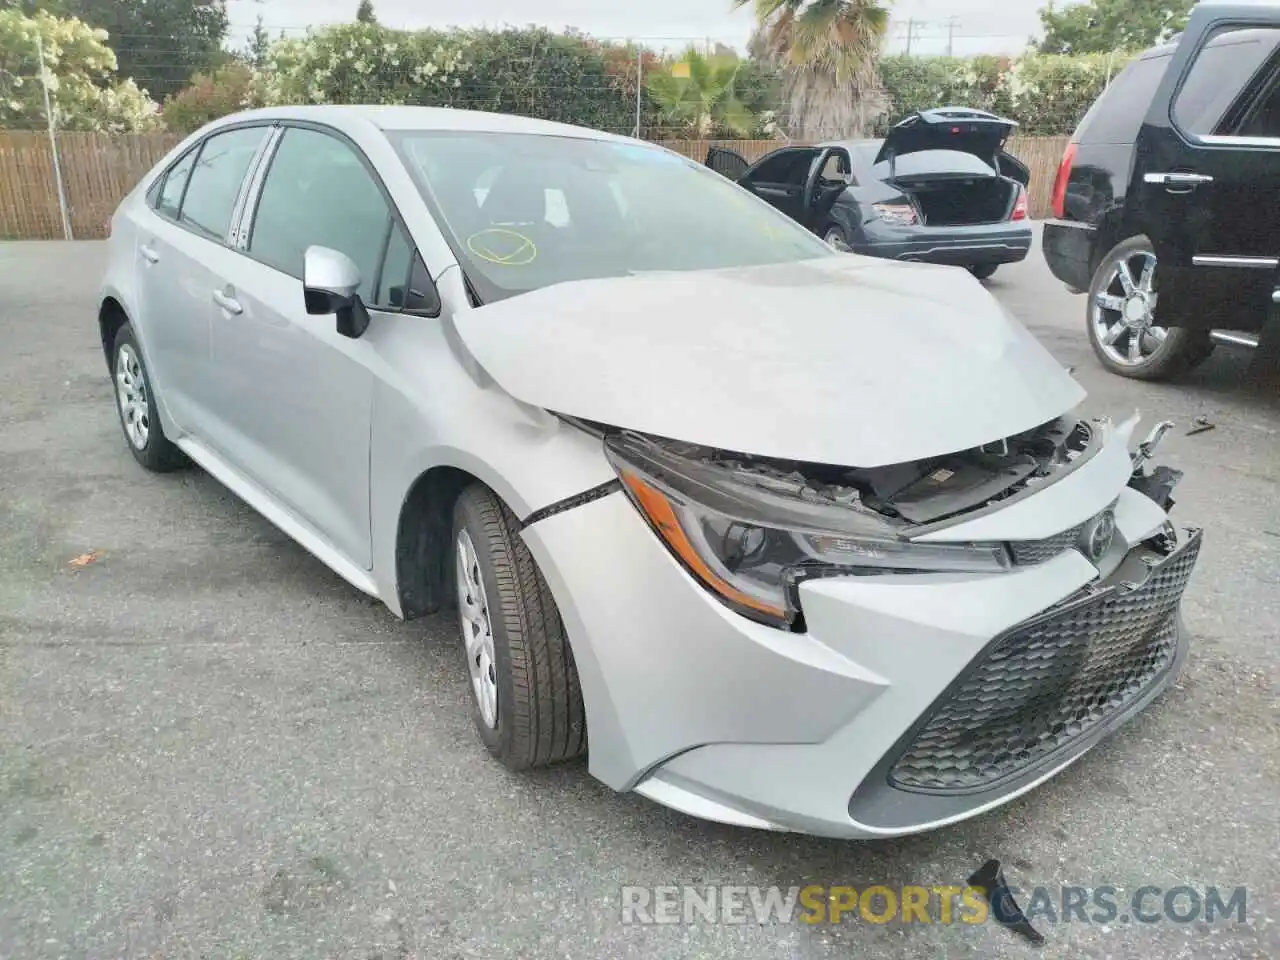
(507, 248)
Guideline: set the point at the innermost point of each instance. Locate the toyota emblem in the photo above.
(1096, 539)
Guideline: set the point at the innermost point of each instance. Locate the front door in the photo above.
(295, 396)
(1209, 169)
(780, 179)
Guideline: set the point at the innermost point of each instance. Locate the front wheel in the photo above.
(1122, 312)
(525, 695)
(835, 238)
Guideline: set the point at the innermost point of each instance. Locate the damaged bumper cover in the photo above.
(898, 702)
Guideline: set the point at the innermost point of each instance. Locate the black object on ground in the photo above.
(989, 878)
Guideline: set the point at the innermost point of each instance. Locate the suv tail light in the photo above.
(1020, 208)
(1061, 181)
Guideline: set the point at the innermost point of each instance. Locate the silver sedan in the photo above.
(795, 539)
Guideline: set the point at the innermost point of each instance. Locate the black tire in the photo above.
(540, 715)
(1182, 349)
(156, 452)
(984, 271)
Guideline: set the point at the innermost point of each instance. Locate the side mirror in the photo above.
(330, 281)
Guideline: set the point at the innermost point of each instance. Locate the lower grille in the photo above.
(1047, 682)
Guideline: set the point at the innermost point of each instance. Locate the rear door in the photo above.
(1208, 170)
(727, 163)
(181, 249)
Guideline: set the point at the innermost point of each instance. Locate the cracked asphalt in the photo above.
(210, 746)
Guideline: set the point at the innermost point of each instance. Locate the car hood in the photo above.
(842, 360)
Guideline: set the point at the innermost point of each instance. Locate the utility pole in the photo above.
(911, 29)
(951, 35)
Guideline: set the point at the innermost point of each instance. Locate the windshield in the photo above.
(525, 211)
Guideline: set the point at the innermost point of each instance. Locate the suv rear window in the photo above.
(1221, 71)
(1117, 115)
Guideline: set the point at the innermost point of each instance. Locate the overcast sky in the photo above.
(981, 26)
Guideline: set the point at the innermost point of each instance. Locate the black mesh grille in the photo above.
(1038, 551)
(1047, 683)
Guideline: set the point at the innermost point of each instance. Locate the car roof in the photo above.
(407, 119)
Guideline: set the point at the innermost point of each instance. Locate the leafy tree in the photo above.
(698, 95)
(827, 51)
(1101, 26)
(226, 90)
(82, 77)
(159, 43)
(259, 44)
(364, 12)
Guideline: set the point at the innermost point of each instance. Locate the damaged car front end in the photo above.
(827, 593)
(869, 652)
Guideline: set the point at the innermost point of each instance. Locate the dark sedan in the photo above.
(939, 188)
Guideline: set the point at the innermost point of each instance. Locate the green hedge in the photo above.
(1047, 95)
(573, 78)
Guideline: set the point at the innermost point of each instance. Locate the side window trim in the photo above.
(240, 217)
(196, 150)
(1247, 91)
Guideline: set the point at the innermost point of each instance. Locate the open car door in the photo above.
(727, 163)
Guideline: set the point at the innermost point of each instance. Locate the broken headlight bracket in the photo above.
(1157, 485)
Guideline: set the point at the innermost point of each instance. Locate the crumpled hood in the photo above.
(843, 360)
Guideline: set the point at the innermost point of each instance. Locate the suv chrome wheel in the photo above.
(1123, 310)
(477, 631)
(131, 391)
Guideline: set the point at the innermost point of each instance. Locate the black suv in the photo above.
(1167, 204)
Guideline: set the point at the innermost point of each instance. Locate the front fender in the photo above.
(529, 458)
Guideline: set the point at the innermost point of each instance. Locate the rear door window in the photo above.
(1117, 115)
(169, 197)
(1227, 64)
(211, 195)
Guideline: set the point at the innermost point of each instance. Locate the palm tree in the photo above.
(698, 96)
(827, 51)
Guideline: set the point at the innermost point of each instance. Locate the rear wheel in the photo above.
(1122, 324)
(136, 404)
(526, 700)
(984, 271)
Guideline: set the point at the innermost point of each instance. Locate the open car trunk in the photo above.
(951, 188)
(954, 203)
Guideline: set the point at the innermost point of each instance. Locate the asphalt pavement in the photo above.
(210, 746)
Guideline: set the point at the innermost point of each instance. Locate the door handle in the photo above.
(1186, 180)
(227, 303)
(149, 254)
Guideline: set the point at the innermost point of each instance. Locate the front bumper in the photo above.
(983, 244)
(701, 710)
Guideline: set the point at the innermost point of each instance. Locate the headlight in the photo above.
(902, 214)
(752, 546)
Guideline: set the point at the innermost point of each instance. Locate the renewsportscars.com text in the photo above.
(881, 904)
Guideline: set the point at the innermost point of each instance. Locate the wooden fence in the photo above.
(99, 169)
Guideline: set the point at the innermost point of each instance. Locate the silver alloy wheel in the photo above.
(131, 389)
(836, 241)
(1123, 312)
(477, 632)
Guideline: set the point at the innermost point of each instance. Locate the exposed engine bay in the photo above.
(918, 492)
